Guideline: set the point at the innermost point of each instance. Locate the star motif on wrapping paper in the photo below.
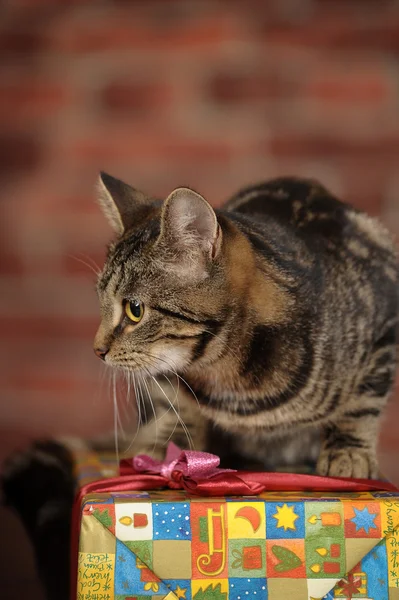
(286, 517)
(180, 592)
(363, 519)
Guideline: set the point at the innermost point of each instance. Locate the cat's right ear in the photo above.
(120, 202)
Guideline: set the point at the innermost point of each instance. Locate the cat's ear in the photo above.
(120, 202)
(190, 223)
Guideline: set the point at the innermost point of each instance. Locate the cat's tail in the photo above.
(39, 485)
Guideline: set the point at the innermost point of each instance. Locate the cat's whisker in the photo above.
(93, 268)
(155, 414)
(116, 417)
(176, 391)
(92, 261)
(124, 404)
(138, 405)
(144, 418)
(125, 408)
(178, 407)
(185, 429)
(189, 387)
(172, 370)
(133, 381)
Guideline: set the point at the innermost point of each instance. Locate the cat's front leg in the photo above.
(350, 447)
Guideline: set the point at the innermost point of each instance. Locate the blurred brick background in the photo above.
(211, 94)
(215, 95)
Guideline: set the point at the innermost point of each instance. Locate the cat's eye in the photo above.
(134, 310)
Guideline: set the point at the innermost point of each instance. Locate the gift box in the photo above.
(260, 539)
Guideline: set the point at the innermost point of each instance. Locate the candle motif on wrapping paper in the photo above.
(329, 567)
(325, 546)
(133, 520)
(138, 520)
(326, 519)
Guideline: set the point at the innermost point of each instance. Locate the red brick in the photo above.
(47, 295)
(338, 31)
(129, 29)
(19, 153)
(122, 146)
(354, 87)
(295, 144)
(62, 233)
(143, 97)
(46, 383)
(365, 180)
(81, 207)
(370, 201)
(55, 357)
(23, 42)
(49, 413)
(230, 88)
(11, 264)
(25, 327)
(31, 99)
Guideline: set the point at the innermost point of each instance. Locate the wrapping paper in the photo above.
(169, 544)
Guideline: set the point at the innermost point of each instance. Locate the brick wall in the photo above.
(211, 94)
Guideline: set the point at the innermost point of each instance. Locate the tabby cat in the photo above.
(277, 314)
(280, 311)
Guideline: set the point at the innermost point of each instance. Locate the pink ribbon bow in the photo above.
(191, 464)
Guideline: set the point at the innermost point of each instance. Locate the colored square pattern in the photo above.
(171, 521)
(165, 545)
(362, 519)
(246, 558)
(285, 521)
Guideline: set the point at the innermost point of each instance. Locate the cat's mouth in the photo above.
(134, 365)
(151, 364)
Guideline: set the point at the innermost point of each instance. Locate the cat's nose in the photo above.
(102, 352)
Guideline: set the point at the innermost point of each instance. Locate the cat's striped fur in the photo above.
(279, 311)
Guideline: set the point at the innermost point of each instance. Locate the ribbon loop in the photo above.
(188, 463)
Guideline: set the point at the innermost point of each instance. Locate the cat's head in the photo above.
(162, 291)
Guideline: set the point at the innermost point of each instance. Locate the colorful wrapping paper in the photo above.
(169, 545)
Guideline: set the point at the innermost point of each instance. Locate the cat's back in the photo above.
(304, 209)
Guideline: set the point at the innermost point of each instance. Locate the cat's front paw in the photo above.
(348, 462)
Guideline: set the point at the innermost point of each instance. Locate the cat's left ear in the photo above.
(190, 223)
(120, 202)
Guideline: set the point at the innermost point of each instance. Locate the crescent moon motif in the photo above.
(250, 514)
